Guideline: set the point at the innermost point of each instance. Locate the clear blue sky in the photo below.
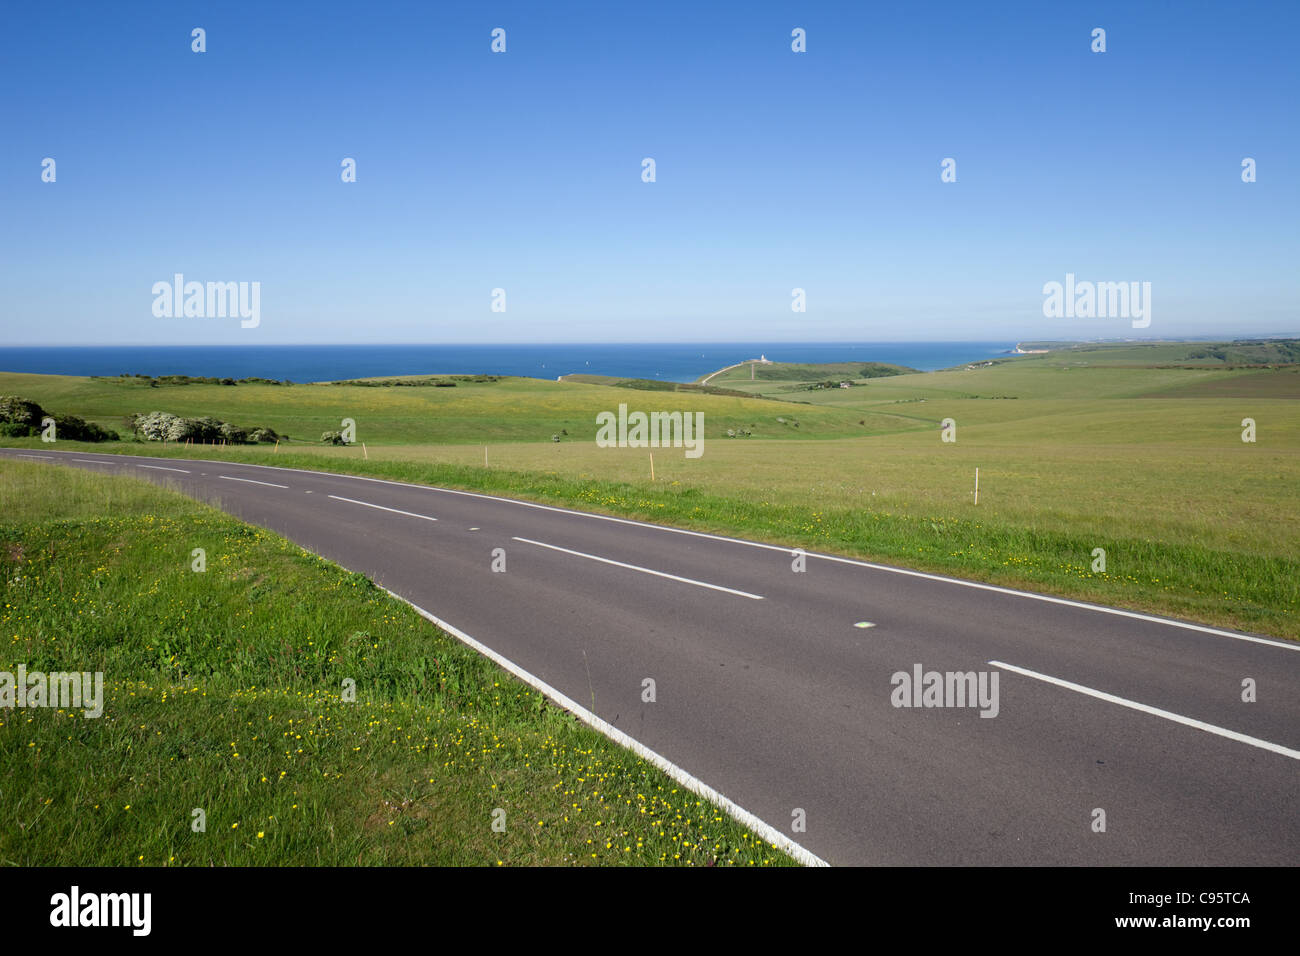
(523, 170)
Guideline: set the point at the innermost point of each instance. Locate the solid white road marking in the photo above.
(398, 511)
(252, 481)
(768, 833)
(161, 468)
(91, 461)
(1155, 711)
(46, 457)
(633, 567)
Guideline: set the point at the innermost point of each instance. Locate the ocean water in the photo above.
(316, 363)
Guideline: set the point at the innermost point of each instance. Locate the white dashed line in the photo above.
(181, 470)
(633, 567)
(1154, 711)
(252, 481)
(396, 511)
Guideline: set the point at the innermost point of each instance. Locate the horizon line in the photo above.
(957, 341)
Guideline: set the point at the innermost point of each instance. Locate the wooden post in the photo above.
(652, 466)
(977, 486)
(485, 464)
(277, 447)
(364, 452)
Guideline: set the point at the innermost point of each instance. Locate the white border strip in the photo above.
(1100, 608)
(634, 567)
(768, 833)
(1154, 711)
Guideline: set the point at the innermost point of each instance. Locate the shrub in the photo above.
(156, 426)
(233, 433)
(20, 411)
(164, 426)
(72, 428)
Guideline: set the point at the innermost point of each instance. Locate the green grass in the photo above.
(792, 372)
(508, 410)
(223, 691)
(1240, 352)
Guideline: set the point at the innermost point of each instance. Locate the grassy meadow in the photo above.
(223, 692)
(1142, 459)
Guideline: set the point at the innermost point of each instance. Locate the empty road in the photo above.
(777, 687)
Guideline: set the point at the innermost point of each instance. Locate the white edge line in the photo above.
(252, 481)
(45, 457)
(1155, 711)
(397, 511)
(92, 461)
(1102, 609)
(767, 832)
(634, 567)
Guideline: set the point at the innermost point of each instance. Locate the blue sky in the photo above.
(522, 170)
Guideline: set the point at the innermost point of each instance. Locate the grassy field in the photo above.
(223, 691)
(1209, 354)
(1074, 454)
(510, 409)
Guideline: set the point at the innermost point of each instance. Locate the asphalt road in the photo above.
(767, 690)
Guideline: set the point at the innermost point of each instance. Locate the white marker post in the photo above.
(977, 487)
(652, 467)
(364, 452)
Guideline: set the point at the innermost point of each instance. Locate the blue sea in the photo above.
(317, 363)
